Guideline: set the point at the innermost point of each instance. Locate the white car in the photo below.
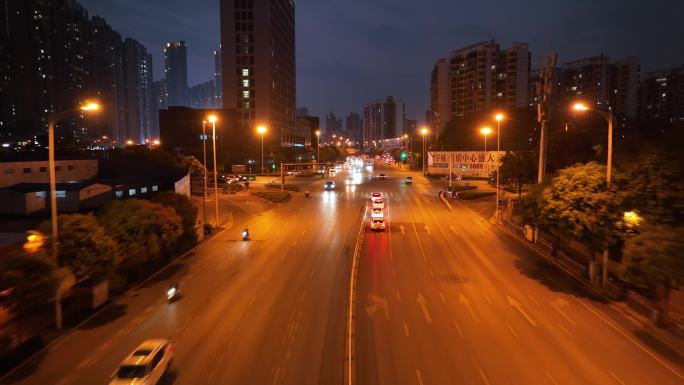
(146, 365)
(378, 204)
(377, 213)
(378, 224)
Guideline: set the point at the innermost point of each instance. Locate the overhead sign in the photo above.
(464, 163)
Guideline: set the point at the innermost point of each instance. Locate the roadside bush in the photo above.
(85, 247)
(27, 282)
(187, 212)
(470, 194)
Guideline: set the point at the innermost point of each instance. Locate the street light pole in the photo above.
(499, 117)
(213, 119)
(608, 116)
(204, 152)
(424, 131)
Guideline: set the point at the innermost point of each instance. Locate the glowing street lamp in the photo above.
(424, 131)
(485, 131)
(262, 130)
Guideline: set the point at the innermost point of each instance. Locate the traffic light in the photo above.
(403, 156)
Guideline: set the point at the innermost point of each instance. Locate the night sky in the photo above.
(353, 51)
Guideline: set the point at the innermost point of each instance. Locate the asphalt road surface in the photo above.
(442, 298)
(445, 298)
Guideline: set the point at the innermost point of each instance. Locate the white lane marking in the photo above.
(422, 302)
(630, 339)
(251, 301)
(441, 295)
(458, 328)
(406, 330)
(468, 304)
(533, 300)
(560, 303)
(276, 376)
(303, 232)
(301, 298)
(486, 297)
(283, 257)
(420, 378)
(615, 377)
(293, 244)
(453, 230)
(566, 331)
(311, 274)
(398, 296)
(484, 377)
(548, 375)
(431, 273)
(427, 230)
(512, 331)
(514, 303)
(394, 272)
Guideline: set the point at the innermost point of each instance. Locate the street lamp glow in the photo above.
(318, 133)
(499, 117)
(129, 142)
(424, 131)
(90, 107)
(632, 218)
(212, 118)
(156, 142)
(485, 131)
(580, 107)
(261, 129)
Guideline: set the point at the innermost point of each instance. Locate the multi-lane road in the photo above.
(441, 298)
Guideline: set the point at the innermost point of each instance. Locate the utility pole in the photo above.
(544, 89)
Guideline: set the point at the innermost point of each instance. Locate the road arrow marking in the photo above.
(453, 230)
(374, 302)
(427, 230)
(558, 304)
(518, 306)
(468, 304)
(423, 305)
(402, 229)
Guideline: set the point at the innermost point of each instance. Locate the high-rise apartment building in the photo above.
(176, 73)
(203, 95)
(662, 95)
(602, 83)
(333, 124)
(140, 107)
(354, 127)
(218, 79)
(53, 57)
(258, 61)
(383, 119)
(483, 77)
(439, 95)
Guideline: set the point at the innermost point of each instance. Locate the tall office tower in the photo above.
(484, 77)
(258, 61)
(354, 127)
(662, 95)
(218, 79)
(601, 83)
(439, 95)
(176, 73)
(373, 122)
(383, 119)
(394, 118)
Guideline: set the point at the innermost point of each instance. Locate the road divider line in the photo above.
(420, 378)
(630, 339)
(533, 300)
(468, 304)
(398, 296)
(406, 330)
(550, 377)
(349, 373)
(484, 376)
(615, 377)
(441, 295)
(512, 331)
(422, 302)
(566, 331)
(486, 297)
(458, 328)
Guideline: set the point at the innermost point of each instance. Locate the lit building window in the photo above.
(143, 190)
(119, 194)
(245, 105)
(245, 72)
(131, 192)
(60, 194)
(155, 188)
(245, 94)
(245, 83)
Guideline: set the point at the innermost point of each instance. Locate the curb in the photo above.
(112, 301)
(647, 326)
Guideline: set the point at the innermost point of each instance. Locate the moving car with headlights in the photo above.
(382, 176)
(377, 224)
(408, 180)
(146, 365)
(378, 204)
(329, 185)
(375, 195)
(377, 213)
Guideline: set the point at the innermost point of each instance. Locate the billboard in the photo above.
(464, 163)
